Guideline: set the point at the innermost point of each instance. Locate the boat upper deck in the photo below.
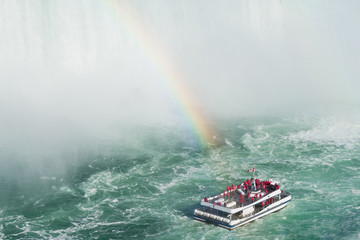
(249, 193)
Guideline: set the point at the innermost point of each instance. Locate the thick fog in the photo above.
(76, 68)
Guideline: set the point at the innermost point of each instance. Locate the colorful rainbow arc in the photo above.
(171, 77)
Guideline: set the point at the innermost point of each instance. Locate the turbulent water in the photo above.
(75, 74)
(145, 183)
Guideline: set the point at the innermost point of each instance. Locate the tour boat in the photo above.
(243, 203)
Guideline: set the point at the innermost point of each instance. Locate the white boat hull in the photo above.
(237, 223)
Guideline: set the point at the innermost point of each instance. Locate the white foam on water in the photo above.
(90, 192)
(181, 173)
(340, 130)
(1, 228)
(200, 187)
(67, 189)
(227, 142)
(164, 187)
(110, 223)
(47, 178)
(355, 191)
(87, 224)
(103, 181)
(249, 142)
(20, 223)
(159, 233)
(327, 164)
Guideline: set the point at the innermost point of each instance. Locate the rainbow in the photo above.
(170, 75)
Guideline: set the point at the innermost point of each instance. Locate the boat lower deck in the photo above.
(233, 223)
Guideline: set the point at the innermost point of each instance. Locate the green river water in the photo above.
(145, 185)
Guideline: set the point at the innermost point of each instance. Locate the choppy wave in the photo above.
(343, 130)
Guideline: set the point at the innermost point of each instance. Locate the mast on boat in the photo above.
(253, 184)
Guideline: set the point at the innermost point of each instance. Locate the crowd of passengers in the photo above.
(247, 187)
